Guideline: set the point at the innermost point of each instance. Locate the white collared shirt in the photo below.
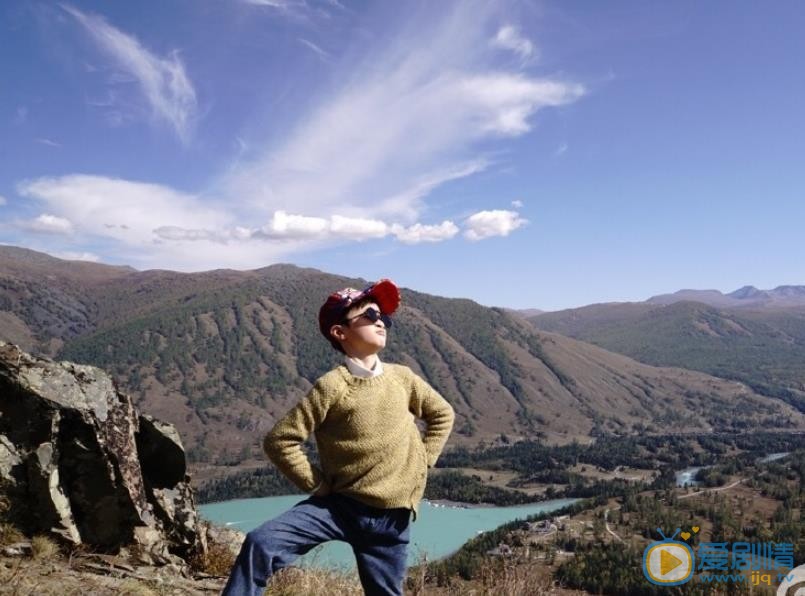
(359, 370)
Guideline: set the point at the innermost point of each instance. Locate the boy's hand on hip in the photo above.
(322, 490)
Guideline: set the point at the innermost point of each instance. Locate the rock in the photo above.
(9, 459)
(81, 463)
(52, 506)
(230, 539)
(161, 452)
(17, 549)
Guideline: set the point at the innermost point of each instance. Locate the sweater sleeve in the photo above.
(283, 444)
(438, 415)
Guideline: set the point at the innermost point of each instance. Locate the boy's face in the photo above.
(359, 336)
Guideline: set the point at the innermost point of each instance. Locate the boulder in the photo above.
(78, 461)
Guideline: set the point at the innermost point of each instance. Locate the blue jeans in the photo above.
(379, 539)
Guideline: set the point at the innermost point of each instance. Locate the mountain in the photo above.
(222, 354)
(761, 347)
(745, 297)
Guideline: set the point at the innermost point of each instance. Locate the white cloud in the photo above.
(509, 38)
(418, 233)
(128, 213)
(517, 204)
(48, 142)
(486, 224)
(505, 102)
(3, 200)
(77, 256)
(357, 228)
(124, 210)
(156, 226)
(561, 150)
(49, 224)
(163, 81)
(284, 226)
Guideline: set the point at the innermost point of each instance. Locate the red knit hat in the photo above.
(384, 292)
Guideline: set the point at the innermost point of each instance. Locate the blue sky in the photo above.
(522, 154)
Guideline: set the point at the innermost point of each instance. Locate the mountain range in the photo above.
(222, 354)
(745, 297)
(762, 345)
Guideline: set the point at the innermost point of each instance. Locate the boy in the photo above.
(373, 458)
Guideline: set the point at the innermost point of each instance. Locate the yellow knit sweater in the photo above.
(369, 445)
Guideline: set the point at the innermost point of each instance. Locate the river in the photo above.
(687, 477)
(438, 531)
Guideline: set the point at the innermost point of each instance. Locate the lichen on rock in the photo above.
(81, 463)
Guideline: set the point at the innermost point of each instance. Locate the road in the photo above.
(713, 490)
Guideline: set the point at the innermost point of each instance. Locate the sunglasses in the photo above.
(373, 315)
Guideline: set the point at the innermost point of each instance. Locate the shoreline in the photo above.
(464, 505)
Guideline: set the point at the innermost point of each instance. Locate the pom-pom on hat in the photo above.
(384, 292)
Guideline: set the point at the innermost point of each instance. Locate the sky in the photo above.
(521, 154)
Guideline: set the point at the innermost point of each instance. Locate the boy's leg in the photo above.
(278, 542)
(381, 552)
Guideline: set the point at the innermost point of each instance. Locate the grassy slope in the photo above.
(763, 348)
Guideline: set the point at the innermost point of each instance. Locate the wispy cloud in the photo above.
(20, 116)
(293, 10)
(517, 204)
(561, 150)
(428, 107)
(422, 105)
(47, 142)
(510, 38)
(3, 201)
(280, 4)
(409, 203)
(163, 81)
(316, 49)
(487, 224)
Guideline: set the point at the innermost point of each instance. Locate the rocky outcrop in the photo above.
(76, 460)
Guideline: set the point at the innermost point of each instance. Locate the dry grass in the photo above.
(498, 577)
(133, 587)
(20, 578)
(9, 534)
(44, 548)
(217, 561)
(293, 581)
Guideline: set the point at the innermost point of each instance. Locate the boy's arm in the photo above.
(431, 407)
(283, 444)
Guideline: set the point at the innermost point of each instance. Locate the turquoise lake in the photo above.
(438, 531)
